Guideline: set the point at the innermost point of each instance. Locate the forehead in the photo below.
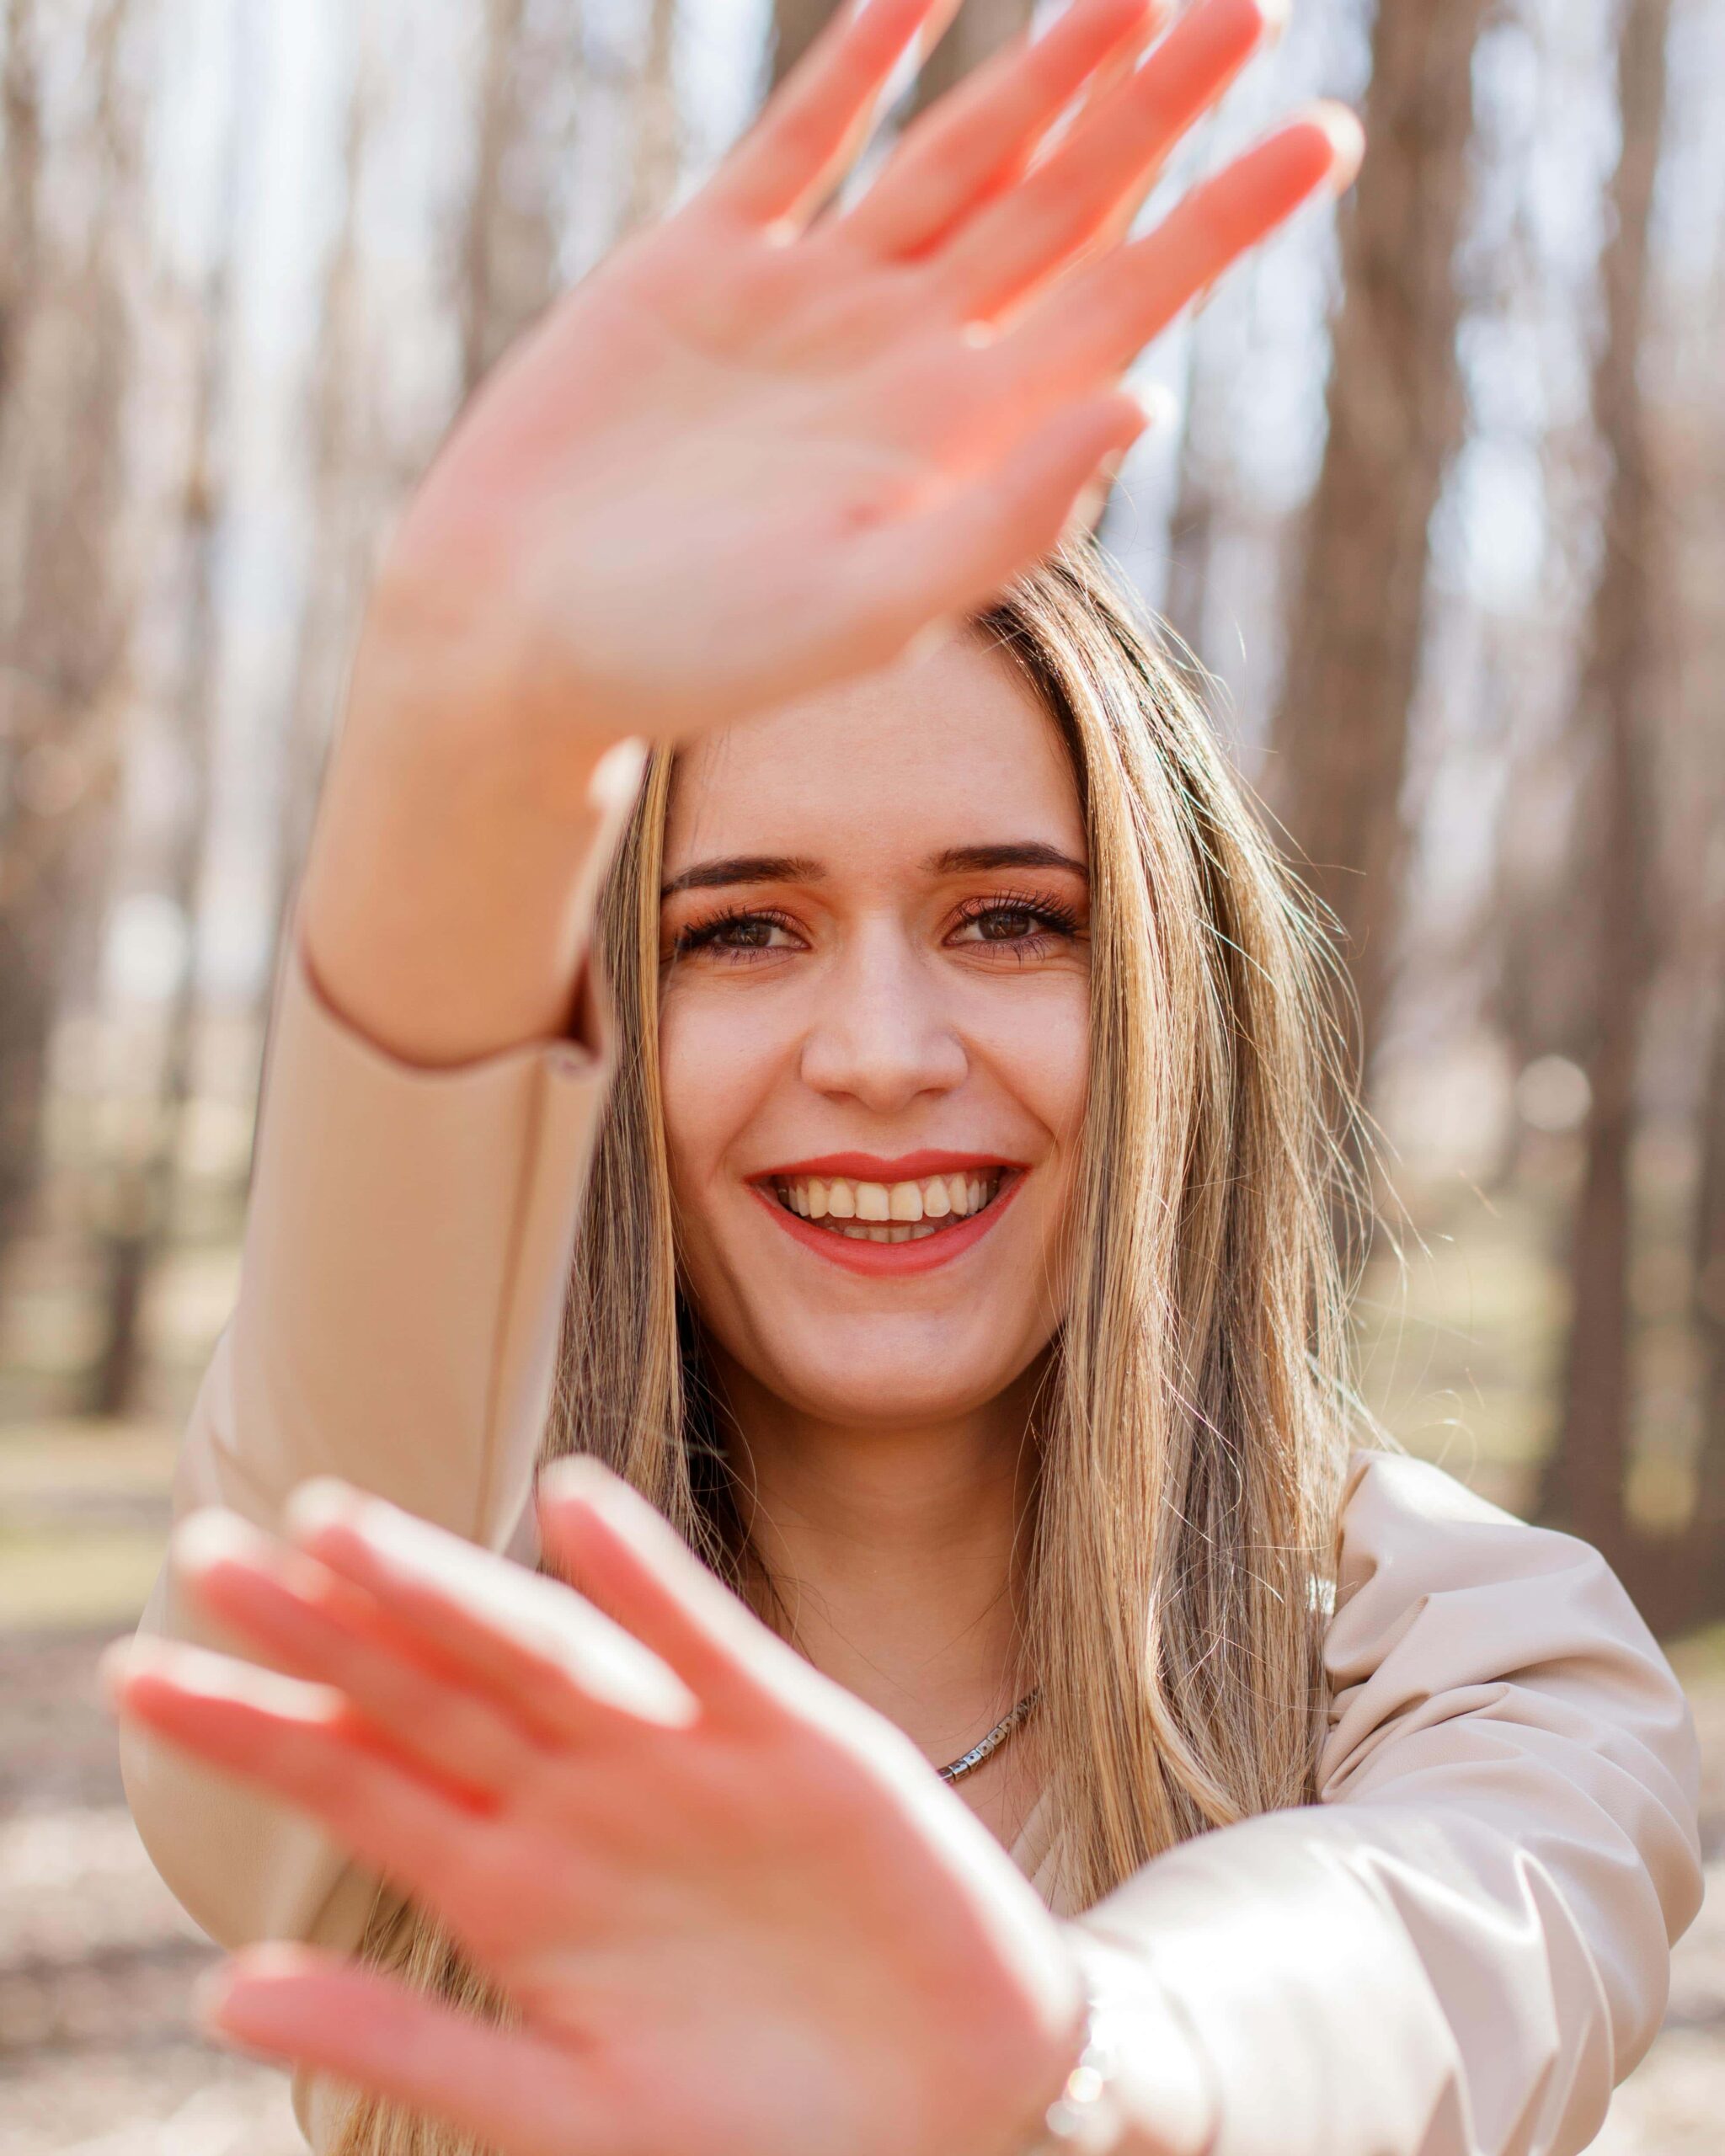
(953, 750)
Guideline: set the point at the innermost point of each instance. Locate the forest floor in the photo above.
(97, 2056)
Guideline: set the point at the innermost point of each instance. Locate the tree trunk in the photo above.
(656, 146)
(508, 267)
(1395, 409)
(66, 335)
(979, 30)
(140, 1219)
(340, 569)
(1709, 1313)
(1584, 1478)
(796, 24)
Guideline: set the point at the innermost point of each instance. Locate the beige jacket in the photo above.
(1458, 1950)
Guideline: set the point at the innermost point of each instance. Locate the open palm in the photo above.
(760, 449)
(736, 1913)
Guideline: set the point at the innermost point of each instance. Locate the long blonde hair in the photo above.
(1193, 1430)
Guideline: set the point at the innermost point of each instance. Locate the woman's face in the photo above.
(873, 1035)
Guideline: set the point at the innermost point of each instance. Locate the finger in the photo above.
(816, 123)
(1026, 236)
(511, 2090)
(956, 556)
(979, 137)
(297, 1743)
(618, 1549)
(559, 1664)
(314, 1625)
(1094, 324)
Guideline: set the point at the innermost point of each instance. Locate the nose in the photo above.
(881, 1033)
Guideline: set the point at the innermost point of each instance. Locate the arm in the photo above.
(401, 1288)
(1465, 1945)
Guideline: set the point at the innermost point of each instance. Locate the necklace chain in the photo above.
(989, 1745)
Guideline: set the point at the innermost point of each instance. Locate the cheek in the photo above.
(1037, 1048)
(715, 1061)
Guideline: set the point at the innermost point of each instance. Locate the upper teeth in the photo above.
(934, 1198)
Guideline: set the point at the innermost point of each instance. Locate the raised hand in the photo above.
(757, 450)
(736, 1912)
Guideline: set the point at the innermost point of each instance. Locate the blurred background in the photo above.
(1443, 517)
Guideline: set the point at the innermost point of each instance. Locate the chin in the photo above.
(889, 1373)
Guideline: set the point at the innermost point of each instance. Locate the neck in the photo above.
(896, 1553)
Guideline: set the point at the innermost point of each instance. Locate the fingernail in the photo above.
(324, 1500)
(1276, 14)
(1348, 139)
(112, 1664)
(211, 1536)
(928, 640)
(1160, 406)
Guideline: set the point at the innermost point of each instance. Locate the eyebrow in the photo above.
(744, 868)
(796, 868)
(1021, 853)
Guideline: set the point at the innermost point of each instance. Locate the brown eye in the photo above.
(1016, 923)
(1006, 925)
(736, 935)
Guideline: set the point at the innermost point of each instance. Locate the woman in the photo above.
(951, 1270)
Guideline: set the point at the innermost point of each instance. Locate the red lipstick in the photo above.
(903, 1167)
(892, 1261)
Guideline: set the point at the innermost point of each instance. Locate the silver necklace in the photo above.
(993, 1743)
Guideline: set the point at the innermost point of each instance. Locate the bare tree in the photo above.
(140, 1211)
(1395, 413)
(656, 141)
(979, 29)
(1708, 1315)
(66, 337)
(796, 24)
(343, 517)
(507, 270)
(1584, 1481)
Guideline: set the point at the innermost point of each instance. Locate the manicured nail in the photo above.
(1276, 14)
(1160, 405)
(211, 1536)
(324, 1500)
(1348, 138)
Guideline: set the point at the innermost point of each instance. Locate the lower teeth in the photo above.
(897, 1235)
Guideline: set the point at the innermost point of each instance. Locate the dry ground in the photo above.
(96, 2057)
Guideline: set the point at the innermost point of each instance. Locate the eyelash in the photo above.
(1057, 918)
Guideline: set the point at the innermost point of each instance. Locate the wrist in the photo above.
(1133, 2082)
(446, 902)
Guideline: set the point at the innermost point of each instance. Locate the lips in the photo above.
(906, 1214)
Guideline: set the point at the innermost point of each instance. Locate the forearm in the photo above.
(402, 1289)
(460, 842)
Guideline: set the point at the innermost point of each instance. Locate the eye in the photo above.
(1025, 925)
(734, 935)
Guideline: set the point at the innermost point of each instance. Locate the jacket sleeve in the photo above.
(1464, 1945)
(401, 1292)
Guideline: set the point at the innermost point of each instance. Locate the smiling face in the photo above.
(874, 1037)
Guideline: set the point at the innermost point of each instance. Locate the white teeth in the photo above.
(898, 1212)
